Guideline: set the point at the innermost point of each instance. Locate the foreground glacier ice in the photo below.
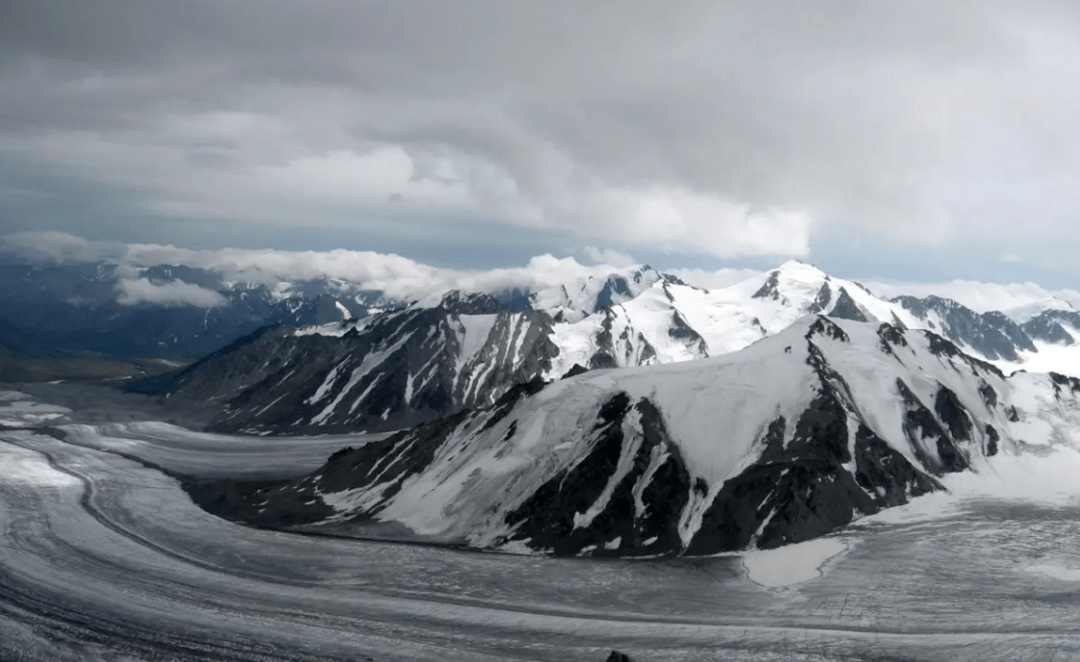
(104, 557)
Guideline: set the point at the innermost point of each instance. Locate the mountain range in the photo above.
(792, 437)
(172, 312)
(419, 362)
(627, 415)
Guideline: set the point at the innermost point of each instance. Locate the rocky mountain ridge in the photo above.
(797, 435)
(83, 307)
(418, 363)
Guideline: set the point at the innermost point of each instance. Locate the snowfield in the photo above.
(90, 537)
(793, 564)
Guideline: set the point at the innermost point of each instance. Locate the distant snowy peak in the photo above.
(992, 335)
(642, 317)
(470, 303)
(1028, 311)
(596, 294)
(639, 316)
(792, 282)
(671, 321)
(1054, 326)
(797, 288)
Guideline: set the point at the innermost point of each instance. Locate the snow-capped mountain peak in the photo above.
(595, 294)
(1026, 312)
(470, 303)
(808, 290)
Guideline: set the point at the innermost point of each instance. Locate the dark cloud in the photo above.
(729, 128)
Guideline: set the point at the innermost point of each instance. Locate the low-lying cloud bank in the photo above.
(59, 247)
(175, 293)
(402, 278)
(398, 277)
(981, 297)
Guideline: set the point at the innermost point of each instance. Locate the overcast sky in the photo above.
(917, 141)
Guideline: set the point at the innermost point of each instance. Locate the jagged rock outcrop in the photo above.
(992, 334)
(387, 372)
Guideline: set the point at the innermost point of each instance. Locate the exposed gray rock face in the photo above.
(471, 303)
(547, 518)
(396, 370)
(769, 289)
(614, 289)
(681, 330)
(823, 298)
(846, 308)
(604, 356)
(1049, 326)
(992, 334)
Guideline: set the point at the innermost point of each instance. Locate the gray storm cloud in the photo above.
(59, 247)
(726, 128)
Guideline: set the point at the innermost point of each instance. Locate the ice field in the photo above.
(104, 557)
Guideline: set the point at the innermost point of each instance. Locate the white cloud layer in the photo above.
(175, 293)
(402, 278)
(677, 218)
(608, 256)
(59, 247)
(980, 297)
(397, 276)
(711, 280)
